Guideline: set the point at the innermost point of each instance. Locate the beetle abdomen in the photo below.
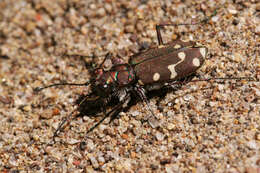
(171, 66)
(158, 52)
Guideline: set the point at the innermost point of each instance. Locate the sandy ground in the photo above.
(202, 127)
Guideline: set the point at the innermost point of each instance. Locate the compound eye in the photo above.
(98, 71)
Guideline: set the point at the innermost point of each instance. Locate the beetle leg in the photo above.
(108, 56)
(177, 84)
(126, 99)
(112, 112)
(141, 93)
(66, 119)
(152, 119)
(114, 60)
(159, 36)
(159, 26)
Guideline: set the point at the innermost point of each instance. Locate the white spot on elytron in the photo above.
(140, 82)
(203, 52)
(196, 62)
(181, 55)
(185, 41)
(177, 46)
(161, 46)
(156, 76)
(171, 67)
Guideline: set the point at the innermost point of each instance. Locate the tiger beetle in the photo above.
(164, 66)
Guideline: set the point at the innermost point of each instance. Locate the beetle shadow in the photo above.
(91, 106)
(94, 106)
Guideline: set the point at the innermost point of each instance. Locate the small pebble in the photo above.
(5, 100)
(46, 114)
(170, 126)
(55, 111)
(154, 123)
(108, 7)
(252, 145)
(215, 18)
(257, 30)
(125, 136)
(94, 162)
(72, 141)
(232, 10)
(135, 113)
(101, 159)
(101, 12)
(257, 136)
(159, 136)
(257, 7)
(129, 29)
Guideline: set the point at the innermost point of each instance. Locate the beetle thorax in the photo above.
(118, 76)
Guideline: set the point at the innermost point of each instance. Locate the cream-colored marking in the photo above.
(156, 76)
(203, 51)
(177, 46)
(199, 45)
(140, 82)
(181, 55)
(185, 40)
(196, 62)
(161, 46)
(171, 67)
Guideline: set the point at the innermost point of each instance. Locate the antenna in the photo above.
(38, 89)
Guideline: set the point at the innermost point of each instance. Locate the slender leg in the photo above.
(151, 119)
(115, 110)
(66, 119)
(159, 26)
(124, 105)
(159, 36)
(115, 61)
(141, 93)
(108, 56)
